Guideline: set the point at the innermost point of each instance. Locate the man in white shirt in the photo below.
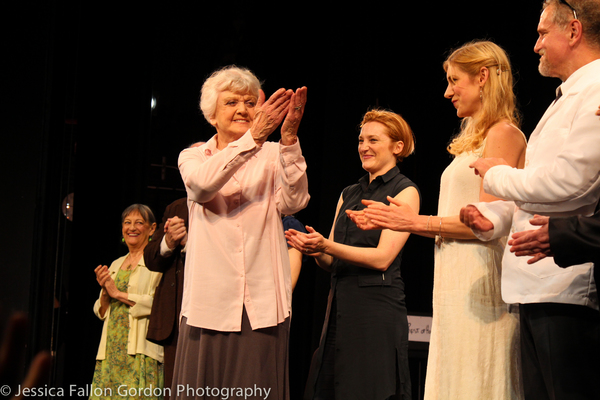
(560, 322)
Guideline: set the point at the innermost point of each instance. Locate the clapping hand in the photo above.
(269, 114)
(289, 129)
(311, 243)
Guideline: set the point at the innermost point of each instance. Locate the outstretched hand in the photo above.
(397, 216)
(269, 114)
(534, 243)
(289, 129)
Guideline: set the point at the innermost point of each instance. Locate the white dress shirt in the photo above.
(561, 178)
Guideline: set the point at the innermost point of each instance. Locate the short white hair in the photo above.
(232, 78)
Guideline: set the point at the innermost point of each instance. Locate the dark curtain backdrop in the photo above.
(78, 119)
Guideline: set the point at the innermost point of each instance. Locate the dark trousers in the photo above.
(560, 351)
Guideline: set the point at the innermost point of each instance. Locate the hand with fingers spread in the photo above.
(269, 114)
(289, 129)
(534, 243)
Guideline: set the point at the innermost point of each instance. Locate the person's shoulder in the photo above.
(505, 132)
(118, 262)
(403, 180)
(406, 186)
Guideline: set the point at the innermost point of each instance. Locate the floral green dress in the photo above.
(120, 375)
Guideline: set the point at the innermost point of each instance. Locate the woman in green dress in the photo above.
(127, 365)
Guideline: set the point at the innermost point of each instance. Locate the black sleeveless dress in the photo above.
(363, 352)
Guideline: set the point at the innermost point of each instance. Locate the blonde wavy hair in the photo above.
(497, 96)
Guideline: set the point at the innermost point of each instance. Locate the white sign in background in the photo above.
(419, 328)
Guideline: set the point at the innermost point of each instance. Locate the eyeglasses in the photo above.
(570, 6)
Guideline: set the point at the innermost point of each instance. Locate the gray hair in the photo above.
(144, 211)
(232, 78)
(588, 13)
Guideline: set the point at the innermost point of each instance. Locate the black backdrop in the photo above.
(77, 119)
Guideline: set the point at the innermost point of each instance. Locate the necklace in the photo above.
(129, 263)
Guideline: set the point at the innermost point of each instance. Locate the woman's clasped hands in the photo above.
(105, 281)
(109, 289)
(311, 243)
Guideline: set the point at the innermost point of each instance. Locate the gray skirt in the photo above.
(251, 364)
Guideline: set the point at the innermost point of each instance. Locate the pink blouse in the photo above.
(236, 254)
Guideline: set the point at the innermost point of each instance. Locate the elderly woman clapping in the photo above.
(126, 361)
(237, 290)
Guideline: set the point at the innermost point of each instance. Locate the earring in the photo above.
(122, 240)
(150, 239)
(481, 94)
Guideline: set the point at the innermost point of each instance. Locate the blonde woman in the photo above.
(474, 340)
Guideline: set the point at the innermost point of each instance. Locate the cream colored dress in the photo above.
(474, 347)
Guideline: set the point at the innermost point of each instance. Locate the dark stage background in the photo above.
(77, 119)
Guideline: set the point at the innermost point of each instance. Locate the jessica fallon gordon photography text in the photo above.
(123, 390)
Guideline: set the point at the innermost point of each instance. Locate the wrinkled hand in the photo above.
(106, 282)
(175, 232)
(535, 243)
(311, 243)
(471, 217)
(289, 129)
(111, 289)
(269, 114)
(102, 274)
(482, 165)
